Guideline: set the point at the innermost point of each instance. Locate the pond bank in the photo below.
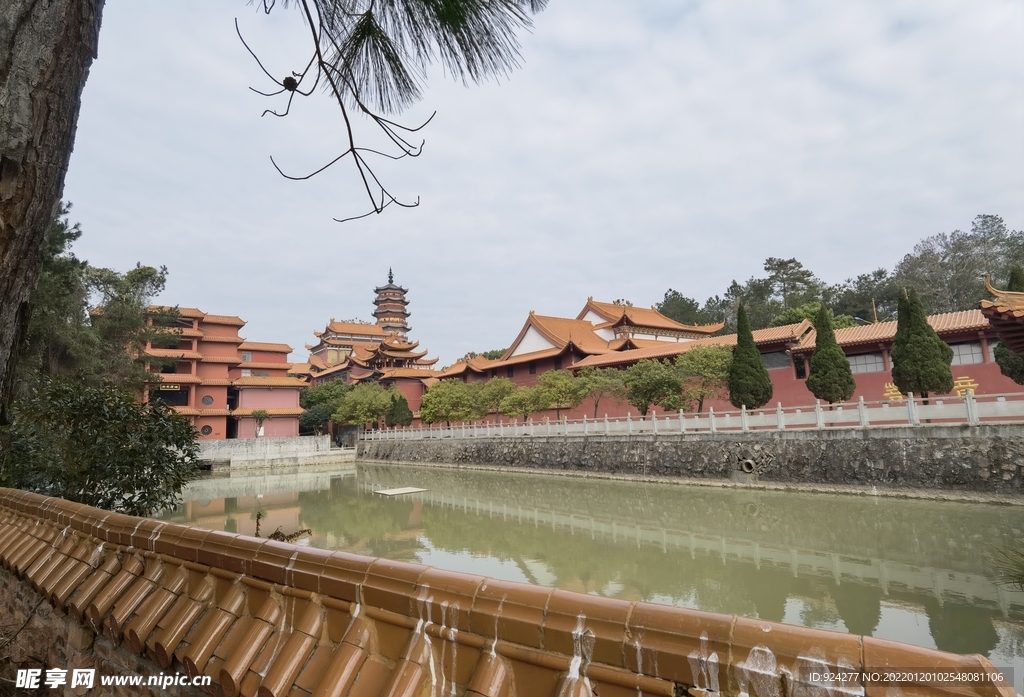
(980, 463)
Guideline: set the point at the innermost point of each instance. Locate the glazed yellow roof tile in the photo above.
(229, 320)
(643, 317)
(273, 618)
(265, 346)
(943, 324)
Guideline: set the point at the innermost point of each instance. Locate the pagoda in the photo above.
(392, 313)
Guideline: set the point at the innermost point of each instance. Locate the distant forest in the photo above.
(946, 270)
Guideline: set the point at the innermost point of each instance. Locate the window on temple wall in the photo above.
(775, 360)
(533, 367)
(246, 372)
(494, 372)
(866, 363)
(800, 367)
(558, 362)
(967, 352)
(510, 371)
(247, 356)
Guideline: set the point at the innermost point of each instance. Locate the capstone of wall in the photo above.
(272, 619)
(35, 635)
(988, 459)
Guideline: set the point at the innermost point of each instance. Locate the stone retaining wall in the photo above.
(980, 458)
(240, 453)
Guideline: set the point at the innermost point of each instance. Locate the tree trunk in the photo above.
(46, 48)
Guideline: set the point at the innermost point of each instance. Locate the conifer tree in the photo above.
(831, 378)
(399, 414)
(749, 382)
(1011, 363)
(920, 359)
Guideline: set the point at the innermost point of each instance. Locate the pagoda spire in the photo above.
(391, 311)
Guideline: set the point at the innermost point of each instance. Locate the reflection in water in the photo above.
(907, 570)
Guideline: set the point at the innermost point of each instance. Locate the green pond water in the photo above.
(912, 571)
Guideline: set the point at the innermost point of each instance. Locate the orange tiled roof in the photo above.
(525, 358)
(561, 331)
(418, 373)
(268, 366)
(300, 368)
(179, 378)
(230, 320)
(220, 359)
(193, 411)
(254, 381)
(190, 312)
(665, 349)
(643, 317)
(221, 339)
(1006, 315)
(217, 382)
(264, 346)
(355, 328)
(183, 332)
(946, 323)
(173, 353)
(273, 618)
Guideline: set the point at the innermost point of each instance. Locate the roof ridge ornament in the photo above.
(391, 276)
(996, 293)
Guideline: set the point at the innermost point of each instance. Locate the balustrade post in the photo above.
(780, 417)
(654, 422)
(912, 410)
(972, 408)
(744, 425)
(711, 420)
(531, 426)
(862, 411)
(819, 418)
(606, 423)
(629, 423)
(584, 424)
(682, 422)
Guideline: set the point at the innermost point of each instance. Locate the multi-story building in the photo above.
(219, 378)
(355, 351)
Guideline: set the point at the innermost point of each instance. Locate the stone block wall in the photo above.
(987, 459)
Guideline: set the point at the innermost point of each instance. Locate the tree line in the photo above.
(946, 270)
(78, 429)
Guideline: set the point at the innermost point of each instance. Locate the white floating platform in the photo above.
(399, 491)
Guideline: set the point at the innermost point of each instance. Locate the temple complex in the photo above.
(355, 351)
(611, 335)
(218, 378)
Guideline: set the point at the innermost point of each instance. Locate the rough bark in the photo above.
(46, 48)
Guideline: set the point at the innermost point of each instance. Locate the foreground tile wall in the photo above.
(267, 618)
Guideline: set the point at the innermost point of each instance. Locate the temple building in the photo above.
(391, 313)
(606, 335)
(355, 351)
(1006, 315)
(555, 343)
(218, 378)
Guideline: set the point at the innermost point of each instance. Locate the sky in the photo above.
(640, 146)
